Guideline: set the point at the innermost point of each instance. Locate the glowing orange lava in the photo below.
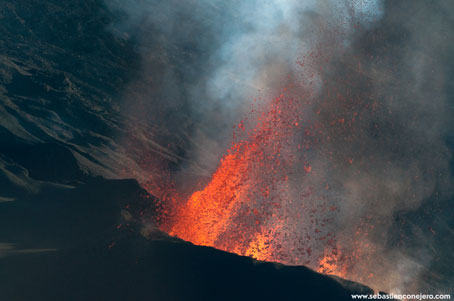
(228, 213)
(248, 208)
(332, 263)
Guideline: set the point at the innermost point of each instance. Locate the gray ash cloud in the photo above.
(202, 61)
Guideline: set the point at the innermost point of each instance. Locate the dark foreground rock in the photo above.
(82, 243)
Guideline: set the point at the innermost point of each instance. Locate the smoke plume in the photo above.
(373, 83)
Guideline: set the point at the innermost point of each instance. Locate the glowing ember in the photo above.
(332, 263)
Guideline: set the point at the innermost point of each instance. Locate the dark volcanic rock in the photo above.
(136, 269)
(61, 71)
(84, 243)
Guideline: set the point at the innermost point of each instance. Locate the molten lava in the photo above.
(255, 204)
(229, 213)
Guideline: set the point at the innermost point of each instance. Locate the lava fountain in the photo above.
(229, 213)
(254, 204)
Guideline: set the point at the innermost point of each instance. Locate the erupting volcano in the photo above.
(226, 150)
(245, 193)
(260, 201)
